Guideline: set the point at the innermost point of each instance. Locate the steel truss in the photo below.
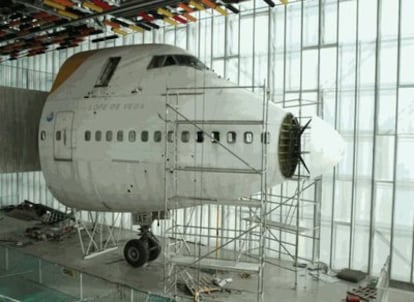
(99, 235)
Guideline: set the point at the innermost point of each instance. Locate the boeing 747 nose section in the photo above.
(106, 144)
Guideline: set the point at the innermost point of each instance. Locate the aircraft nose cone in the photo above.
(325, 146)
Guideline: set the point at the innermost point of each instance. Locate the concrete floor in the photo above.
(278, 283)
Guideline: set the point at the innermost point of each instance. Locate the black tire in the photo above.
(154, 248)
(136, 252)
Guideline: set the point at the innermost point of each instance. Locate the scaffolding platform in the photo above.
(289, 228)
(186, 201)
(219, 264)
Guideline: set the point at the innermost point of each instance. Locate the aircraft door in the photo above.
(62, 138)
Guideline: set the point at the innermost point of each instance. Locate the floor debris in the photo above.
(28, 210)
(53, 225)
(197, 288)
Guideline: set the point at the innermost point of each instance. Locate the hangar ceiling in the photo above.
(32, 27)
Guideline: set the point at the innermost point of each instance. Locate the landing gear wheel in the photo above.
(154, 248)
(136, 252)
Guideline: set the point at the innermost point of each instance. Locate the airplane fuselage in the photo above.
(103, 145)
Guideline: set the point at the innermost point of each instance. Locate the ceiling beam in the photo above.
(142, 6)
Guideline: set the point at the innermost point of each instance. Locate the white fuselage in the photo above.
(92, 140)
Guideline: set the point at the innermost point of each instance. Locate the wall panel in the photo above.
(20, 111)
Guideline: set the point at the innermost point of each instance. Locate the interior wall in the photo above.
(354, 60)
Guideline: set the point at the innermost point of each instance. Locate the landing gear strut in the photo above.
(147, 248)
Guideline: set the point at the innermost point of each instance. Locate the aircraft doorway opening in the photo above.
(62, 139)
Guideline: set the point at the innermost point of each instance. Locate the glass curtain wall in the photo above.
(354, 60)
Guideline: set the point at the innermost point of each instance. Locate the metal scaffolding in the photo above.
(295, 218)
(189, 243)
(288, 226)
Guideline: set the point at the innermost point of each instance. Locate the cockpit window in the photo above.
(170, 61)
(179, 60)
(107, 72)
(157, 61)
(185, 60)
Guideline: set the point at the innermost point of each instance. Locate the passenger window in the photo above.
(157, 136)
(98, 136)
(248, 137)
(144, 136)
(43, 135)
(265, 138)
(120, 136)
(87, 136)
(107, 72)
(231, 137)
(132, 136)
(215, 137)
(185, 136)
(200, 137)
(108, 136)
(58, 135)
(170, 136)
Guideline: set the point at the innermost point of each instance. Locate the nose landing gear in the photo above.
(137, 252)
(154, 248)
